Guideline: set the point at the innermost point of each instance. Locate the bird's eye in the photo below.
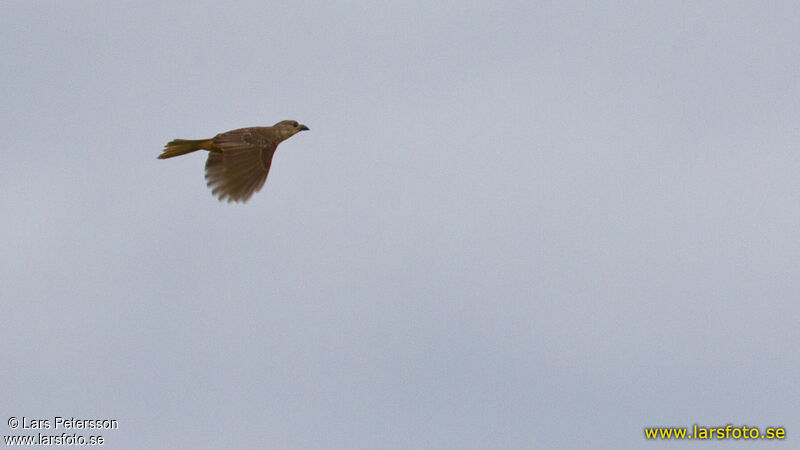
(294, 124)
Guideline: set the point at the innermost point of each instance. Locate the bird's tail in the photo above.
(180, 147)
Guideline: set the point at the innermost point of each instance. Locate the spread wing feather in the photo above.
(239, 166)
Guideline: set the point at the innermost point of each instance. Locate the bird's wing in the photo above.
(240, 167)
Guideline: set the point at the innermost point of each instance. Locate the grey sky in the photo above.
(512, 224)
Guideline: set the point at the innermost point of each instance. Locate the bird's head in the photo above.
(288, 128)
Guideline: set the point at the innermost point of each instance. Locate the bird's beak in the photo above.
(303, 127)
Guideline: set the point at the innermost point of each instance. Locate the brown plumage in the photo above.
(238, 160)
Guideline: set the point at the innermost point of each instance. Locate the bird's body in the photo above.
(238, 160)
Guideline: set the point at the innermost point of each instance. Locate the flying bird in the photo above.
(238, 160)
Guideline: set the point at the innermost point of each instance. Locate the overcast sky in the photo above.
(512, 224)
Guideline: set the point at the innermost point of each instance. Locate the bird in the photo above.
(238, 160)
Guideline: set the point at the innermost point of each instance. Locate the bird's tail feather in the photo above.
(180, 147)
